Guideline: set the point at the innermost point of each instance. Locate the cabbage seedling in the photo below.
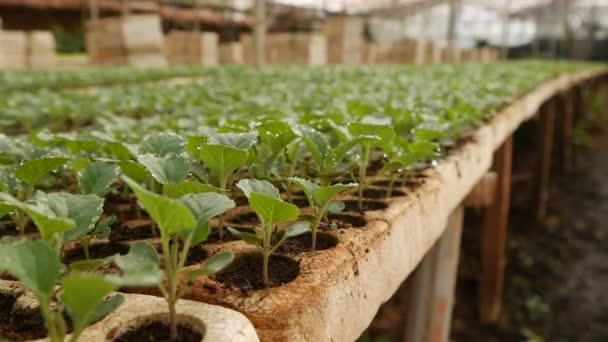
(266, 202)
(36, 264)
(320, 200)
(383, 135)
(59, 216)
(183, 222)
(224, 154)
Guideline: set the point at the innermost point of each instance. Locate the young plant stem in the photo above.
(315, 227)
(223, 186)
(391, 184)
(365, 151)
(85, 248)
(265, 257)
(49, 321)
(266, 253)
(171, 291)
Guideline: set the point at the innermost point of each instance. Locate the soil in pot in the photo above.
(244, 219)
(96, 251)
(196, 254)
(300, 202)
(353, 205)
(159, 332)
(342, 221)
(20, 327)
(10, 229)
(214, 236)
(245, 272)
(381, 193)
(139, 229)
(303, 243)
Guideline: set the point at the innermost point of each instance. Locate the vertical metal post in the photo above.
(259, 34)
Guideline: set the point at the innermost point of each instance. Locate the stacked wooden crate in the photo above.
(231, 53)
(195, 48)
(344, 40)
(13, 54)
(136, 40)
(105, 43)
(451, 55)
(144, 40)
(288, 48)
(370, 53)
(41, 50)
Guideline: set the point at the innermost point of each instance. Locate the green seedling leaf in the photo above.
(166, 170)
(217, 263)
(5, 210)
(45, 219)
(241, 141)
(82, 295)
(83, 210)
(162, 144)
(223, 160)
(308, 187)
(335, 207)
(171, 215)
(134, 171)
(34, 263)
(249, 186)
(277, 134)
(188, 187)
(91, 264)
(97, 178)
(79, 164)
(33, 171)
(315, 142)
(249, 238)
(104, 227)
(296, 229)
(204, 207)
(140, 266)
(325, 194)
(386, 133)
(105, 307)
(272, 210)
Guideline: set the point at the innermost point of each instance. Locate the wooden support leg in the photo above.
(494, 236)
(433, 287)
(544, 152)
(567, 132)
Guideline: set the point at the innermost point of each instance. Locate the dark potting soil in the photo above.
(245, 272)
(410, 183)
(353, 205)
(139, 229)
(159, 332)
(343, 221)
(300, 202)
(196, 254)
(214, 236)
(381, 193)
(303, 243)
(19, 327)
(249, 218)
(96, 251)
(10, 229)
